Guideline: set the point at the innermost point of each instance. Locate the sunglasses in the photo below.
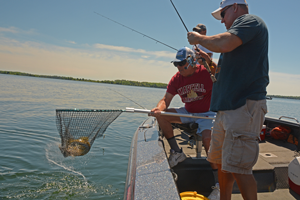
(179, 64)
(223, 12)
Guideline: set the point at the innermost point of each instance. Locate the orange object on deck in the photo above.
(192, 196)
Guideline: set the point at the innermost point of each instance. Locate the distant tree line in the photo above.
(119, 82)
(285, 97)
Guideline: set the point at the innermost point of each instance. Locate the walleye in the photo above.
(76, 147)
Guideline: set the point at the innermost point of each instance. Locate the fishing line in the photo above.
(129, 99)
(137, 31)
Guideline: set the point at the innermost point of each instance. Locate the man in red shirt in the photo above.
(193, 84)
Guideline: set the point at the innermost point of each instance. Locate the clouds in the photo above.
(165, 54)
(8, 30)
(71, 42)
(98, 62)
(284, 84)
(15, 30)
(105, 62)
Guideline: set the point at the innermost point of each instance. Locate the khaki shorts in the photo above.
(234, 140)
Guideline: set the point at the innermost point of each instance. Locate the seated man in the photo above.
(193, 84)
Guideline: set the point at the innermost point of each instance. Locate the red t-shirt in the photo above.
(195, 90)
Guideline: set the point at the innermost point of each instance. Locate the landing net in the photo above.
(78, 129)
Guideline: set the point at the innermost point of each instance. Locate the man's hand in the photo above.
(203, 55)
(155, 112)
(162, 105)
(199, 58)
(193, 37)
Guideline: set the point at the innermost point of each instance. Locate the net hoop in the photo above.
(78, 128)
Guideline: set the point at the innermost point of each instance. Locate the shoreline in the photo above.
(118, 82)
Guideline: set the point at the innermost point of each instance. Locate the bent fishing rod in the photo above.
(136, 31)
(213, 78)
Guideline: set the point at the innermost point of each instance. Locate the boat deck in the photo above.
(270, 171)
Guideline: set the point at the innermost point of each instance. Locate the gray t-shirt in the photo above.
(243, 73)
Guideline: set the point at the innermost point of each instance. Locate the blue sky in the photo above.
(67, 38)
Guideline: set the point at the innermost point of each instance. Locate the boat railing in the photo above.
(290, 118)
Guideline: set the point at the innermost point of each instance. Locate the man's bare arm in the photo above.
(164, 103)
(220, 43)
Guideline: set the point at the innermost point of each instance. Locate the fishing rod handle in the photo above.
(213, 78)
(166, 113)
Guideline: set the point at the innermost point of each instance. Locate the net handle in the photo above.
(166, 113)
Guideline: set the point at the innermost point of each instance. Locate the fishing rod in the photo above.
(137, 31)
(179, 16)
(213, 78)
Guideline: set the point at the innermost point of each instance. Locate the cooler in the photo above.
(294, 175)
(263, 133)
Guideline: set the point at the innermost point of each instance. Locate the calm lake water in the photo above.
(31, 164)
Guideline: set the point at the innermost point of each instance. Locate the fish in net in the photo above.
(78, 129)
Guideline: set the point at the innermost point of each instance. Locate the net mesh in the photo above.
(78, 129)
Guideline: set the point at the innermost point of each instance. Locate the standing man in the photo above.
(239, 95)
(201, 29)
(193, 84)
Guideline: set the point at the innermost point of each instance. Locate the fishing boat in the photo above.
(149, 175)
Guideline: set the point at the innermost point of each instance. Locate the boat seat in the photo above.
(191, 129)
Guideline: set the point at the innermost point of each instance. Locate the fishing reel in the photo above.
(191, 60)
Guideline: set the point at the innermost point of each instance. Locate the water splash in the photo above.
(50, 147)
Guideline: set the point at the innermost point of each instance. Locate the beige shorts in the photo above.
(234, 140)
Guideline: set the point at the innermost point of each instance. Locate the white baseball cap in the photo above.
(223, 4)
(183, 53)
